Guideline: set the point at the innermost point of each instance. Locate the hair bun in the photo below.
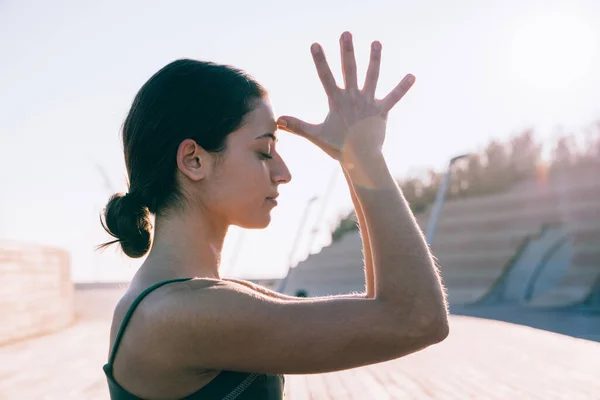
(127, 219)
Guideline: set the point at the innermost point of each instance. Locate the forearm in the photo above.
(273, 294)
(364, 233)
(404, 269)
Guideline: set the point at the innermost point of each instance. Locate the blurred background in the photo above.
(496, 147)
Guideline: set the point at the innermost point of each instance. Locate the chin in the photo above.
(256, 224)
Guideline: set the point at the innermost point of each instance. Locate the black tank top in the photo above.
(228, 385)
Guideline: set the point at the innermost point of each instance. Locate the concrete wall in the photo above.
(36, 292)
(476, 237)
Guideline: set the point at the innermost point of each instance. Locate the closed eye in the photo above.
(266, 156)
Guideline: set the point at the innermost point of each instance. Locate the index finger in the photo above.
(323, 70)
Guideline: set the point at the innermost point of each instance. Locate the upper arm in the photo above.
(227, 327)
(277, 295)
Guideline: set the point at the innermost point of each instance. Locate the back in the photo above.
(226, 385)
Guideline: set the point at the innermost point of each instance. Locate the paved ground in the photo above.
(482, 359)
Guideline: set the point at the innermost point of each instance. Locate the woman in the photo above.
(200, 149)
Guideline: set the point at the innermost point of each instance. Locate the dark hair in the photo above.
(186, 99)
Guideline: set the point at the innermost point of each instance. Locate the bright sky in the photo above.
(70, 69)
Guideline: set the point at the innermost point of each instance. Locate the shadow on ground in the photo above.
(577, 322)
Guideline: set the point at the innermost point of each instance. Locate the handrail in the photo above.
(542, 265)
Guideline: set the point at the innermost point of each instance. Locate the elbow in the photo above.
(423, 327)
(439, 332)
(431, 328)
(418, 336)
(437, 329)
(433, 321)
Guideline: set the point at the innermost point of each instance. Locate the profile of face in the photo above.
(238, 186)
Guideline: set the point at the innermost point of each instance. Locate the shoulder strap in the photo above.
(132, 309)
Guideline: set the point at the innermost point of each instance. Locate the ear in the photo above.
(192, 160)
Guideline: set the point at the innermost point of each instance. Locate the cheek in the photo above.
(240, 194)
(241, 184)
(252, 183)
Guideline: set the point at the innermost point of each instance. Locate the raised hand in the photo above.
(356, 119)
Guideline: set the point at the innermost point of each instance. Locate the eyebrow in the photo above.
(267, 135)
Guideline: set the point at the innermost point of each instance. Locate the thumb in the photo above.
(296, 126)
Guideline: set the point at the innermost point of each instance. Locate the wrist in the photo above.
(353, 155)
(367, 168)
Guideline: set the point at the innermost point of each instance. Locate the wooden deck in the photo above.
(481, 359)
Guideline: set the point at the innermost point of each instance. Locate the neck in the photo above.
(187, 245)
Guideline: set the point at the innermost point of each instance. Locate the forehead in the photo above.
(261, 119)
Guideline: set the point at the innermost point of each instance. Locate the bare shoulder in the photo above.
(151, 372)
(153, 299)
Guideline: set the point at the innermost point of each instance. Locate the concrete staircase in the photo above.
(477, 238)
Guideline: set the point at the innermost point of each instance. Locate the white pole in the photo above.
(439, 200)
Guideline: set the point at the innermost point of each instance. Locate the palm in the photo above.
(356, 119)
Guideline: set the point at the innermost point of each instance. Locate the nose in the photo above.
(280, 172)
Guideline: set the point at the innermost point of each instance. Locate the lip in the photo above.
(272, 200)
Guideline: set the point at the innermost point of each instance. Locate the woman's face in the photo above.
(243, 185)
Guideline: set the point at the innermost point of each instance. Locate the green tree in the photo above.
(347, 223)
(475, 175)
(524, 156)
(496, 167)
(412, 188)
(563, 154)
(590, 154)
